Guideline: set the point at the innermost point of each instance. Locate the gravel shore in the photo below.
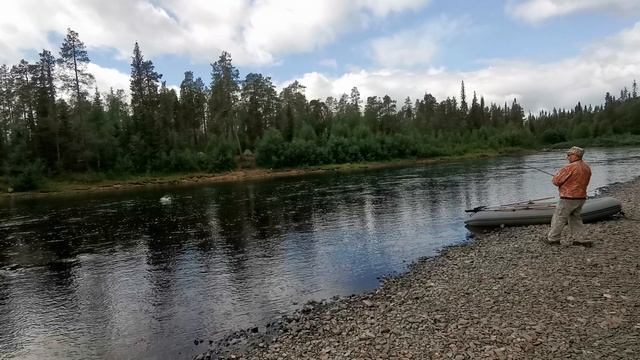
(505, 295)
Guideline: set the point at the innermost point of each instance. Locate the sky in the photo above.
(544, 53)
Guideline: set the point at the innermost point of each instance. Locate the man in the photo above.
(572, 181)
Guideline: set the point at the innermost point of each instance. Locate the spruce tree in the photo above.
(47, 134)
(464, 108)
(144, 107)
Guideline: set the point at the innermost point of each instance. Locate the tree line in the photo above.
(54, 121)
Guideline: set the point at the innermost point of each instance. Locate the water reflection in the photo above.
(126, 276)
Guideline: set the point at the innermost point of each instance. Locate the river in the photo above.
(128, 275)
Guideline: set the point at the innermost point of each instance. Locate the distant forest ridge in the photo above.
(53, 122)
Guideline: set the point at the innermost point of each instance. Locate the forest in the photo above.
(55, 123)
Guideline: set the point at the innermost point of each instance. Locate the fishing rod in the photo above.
(531, 167)
(483, 207)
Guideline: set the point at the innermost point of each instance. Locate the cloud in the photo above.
(534, 11)
(107, 78)
(255, 32)
(607, 65)
(416, 46)
(330, 63)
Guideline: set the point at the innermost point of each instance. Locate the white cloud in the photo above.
(384, 7)
(253, 31)
(107, 78)
(416, 46)
(330, 63)
(605, 66)
(534, 11)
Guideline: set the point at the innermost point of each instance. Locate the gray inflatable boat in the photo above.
(539, 212)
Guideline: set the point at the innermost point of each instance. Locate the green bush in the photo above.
(581, 131)
(429, 147)
(219, 156)
(27, 177)
(370, 148)
(301, 153)
(343, 150)
(552, 136)
(270, 149)
(123, 165)
(305, 132)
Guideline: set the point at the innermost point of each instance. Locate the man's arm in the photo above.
(561, 176)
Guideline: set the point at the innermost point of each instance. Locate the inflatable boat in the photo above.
(538, 211)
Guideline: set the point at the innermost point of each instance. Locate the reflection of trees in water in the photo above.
(9, 301)
(6, 242)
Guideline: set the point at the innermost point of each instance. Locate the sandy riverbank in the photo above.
(506, 295)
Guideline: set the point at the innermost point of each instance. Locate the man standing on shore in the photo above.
(572, 181)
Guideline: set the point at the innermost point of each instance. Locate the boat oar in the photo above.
(498, 208)
(528, 201)
(476, 209)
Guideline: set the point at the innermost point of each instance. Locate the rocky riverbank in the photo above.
(505, 295)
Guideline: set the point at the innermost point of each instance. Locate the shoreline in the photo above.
(238, 175)
(504, 294)
(55, 187)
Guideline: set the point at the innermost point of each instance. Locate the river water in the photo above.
(126, 275)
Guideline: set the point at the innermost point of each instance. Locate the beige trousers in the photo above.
(567, 211)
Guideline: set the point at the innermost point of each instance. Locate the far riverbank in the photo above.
(96, 182)
(78, 185)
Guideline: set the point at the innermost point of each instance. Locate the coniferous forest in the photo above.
(54, 122)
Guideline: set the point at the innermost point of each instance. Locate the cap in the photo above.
(576, 150)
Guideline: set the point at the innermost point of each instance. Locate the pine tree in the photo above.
(388, 115)
(165, 121)
(260, 107)
(6, 111)
(425, 111)
(320, 117)
(24, 82)
(516, 113)
(295, 108)
(224, 93)
(74, 59)
(117, 118)
(355, 100)
(406, 113)
(117, 110)
(187, 124)
(191, 120)
(372, 115)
